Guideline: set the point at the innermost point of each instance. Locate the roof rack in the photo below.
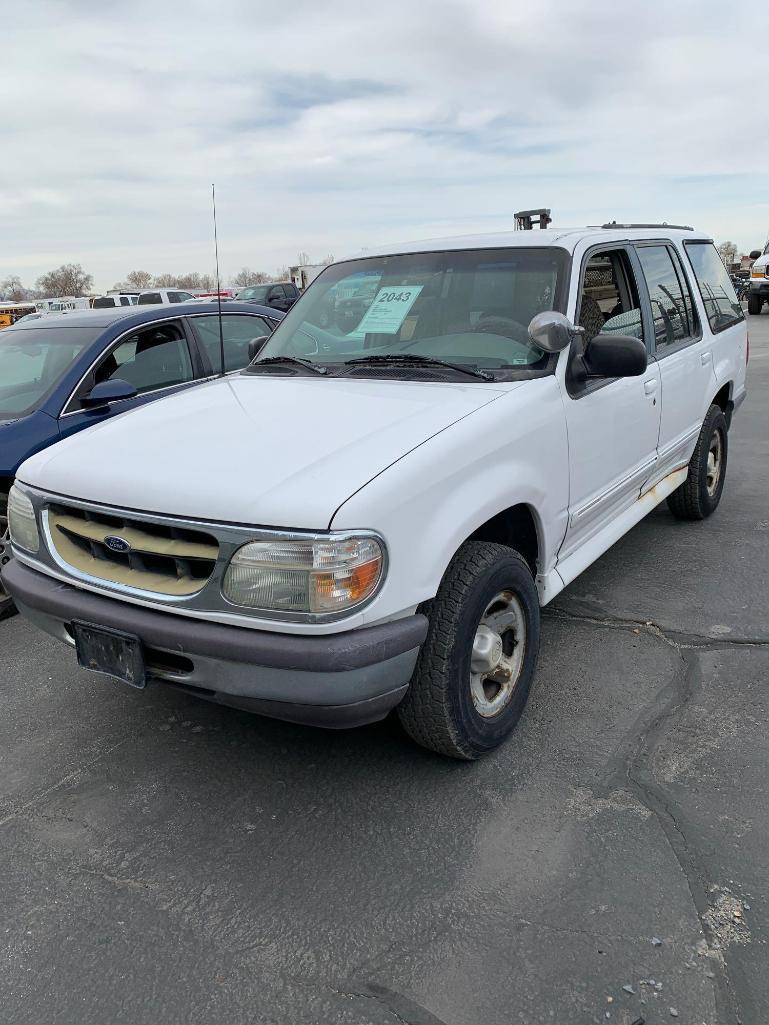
(664, 224)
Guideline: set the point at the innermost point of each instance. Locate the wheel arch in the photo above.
(519, 527)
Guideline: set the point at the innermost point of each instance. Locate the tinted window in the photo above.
(277, 292)
(237, 331)
(124, 300)
(31, 362)
(152, 359)
(103, 302)
(718, 297)
(150, 298)
(672, 307)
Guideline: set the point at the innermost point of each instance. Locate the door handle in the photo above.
(704, 358)
(650, 386)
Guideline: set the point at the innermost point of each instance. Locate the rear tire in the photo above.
(699, 495)
(475, 669)
(755, 302)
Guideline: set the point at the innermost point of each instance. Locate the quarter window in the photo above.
(237, 331)
(718, 296)
(671, 299)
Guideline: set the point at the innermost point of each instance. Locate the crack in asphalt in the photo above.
(677, 639)
(402, 1008)
(631, 763)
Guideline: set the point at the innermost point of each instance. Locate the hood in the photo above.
(259, 450)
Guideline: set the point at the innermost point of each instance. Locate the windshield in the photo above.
(470, 308)
(257, 292)
(31, 362)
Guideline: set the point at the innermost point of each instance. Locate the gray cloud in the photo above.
(333, 126)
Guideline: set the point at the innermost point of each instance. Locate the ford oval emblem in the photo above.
(117, 544)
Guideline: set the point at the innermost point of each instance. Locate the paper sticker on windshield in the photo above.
(388, 311)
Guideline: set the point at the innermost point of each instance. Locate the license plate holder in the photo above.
(110, 653)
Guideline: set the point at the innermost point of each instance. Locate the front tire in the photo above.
(7, 608)
(475, 669)
(755, 302)
(699, 495)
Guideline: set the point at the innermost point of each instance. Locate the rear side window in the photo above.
(671, 299)
(124, 300)
(718, 297)
(150, 298)
(103, 302)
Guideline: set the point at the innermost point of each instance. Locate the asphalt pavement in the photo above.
(166, 861)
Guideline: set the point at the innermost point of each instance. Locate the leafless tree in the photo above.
(303, 259)
(137, 280)
(728, 253)
(69, 279)
(165, 281)
(12, 290)
(329, 259)
(246, 277)
(283, 274)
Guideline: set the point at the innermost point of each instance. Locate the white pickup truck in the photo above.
(370, 516)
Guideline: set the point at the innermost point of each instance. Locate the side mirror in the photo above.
(106, 392)
(614, 356)
(256, 345)
(755, 253)
(552, 331)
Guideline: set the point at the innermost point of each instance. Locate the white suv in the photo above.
(758, 289)
(370, 516)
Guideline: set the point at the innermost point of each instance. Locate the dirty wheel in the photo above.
(475, 669)
(699, 495)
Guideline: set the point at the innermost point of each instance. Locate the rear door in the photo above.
(682, 352)
(157, 359)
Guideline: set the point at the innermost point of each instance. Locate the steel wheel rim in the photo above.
(715, 462)
(499, 648)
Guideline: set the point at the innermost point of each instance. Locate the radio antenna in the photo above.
(218, 289)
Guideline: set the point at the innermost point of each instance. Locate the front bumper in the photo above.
(760, 286)
(336, 681)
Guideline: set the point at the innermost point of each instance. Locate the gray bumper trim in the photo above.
(329, 653)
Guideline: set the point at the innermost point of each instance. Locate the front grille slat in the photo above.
(175, 561)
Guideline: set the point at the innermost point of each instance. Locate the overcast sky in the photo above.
(332, 125)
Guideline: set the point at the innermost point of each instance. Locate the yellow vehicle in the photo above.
(11, 312)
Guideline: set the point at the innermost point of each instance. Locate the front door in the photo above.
(613, 425)
(156, 360)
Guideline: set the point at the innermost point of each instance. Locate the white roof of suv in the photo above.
(566, 238)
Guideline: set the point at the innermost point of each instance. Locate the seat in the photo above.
(590, 318)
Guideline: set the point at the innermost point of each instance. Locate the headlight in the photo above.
(22, 522)
(759, 272)
(305, 575)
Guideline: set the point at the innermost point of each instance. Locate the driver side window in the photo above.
(609, 303)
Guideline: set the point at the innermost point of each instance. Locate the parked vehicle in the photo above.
(281, 295)
(63, 373)
(759, 281)
(371, 519)
(11, 313)
(113, 299)
(164, 296)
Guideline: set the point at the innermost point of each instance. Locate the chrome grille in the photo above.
(161, 558)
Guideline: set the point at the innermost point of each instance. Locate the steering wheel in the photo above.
(492, 324)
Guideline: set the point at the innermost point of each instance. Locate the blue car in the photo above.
(63, 373)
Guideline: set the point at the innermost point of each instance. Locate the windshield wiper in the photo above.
(291, 361)
(414, 359)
